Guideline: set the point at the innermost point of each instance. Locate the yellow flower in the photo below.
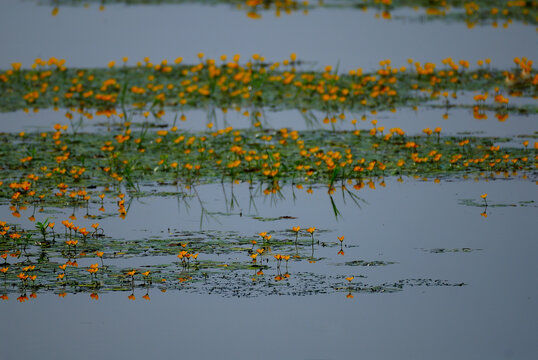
(350, 278)
(483, 196)
(22, 276)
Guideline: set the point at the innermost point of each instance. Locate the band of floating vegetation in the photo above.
(472, 12)
(225, 83)
(46, 259)
(56, 168)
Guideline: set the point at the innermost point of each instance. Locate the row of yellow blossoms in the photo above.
(256, 83)
(244, 155)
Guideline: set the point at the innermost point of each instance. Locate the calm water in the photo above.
(493, 316)
(90, 38)
(459, 121)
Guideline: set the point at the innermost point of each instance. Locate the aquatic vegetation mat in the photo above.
(67, 169)
(472, 12)
(226, 84)
(208, 262)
